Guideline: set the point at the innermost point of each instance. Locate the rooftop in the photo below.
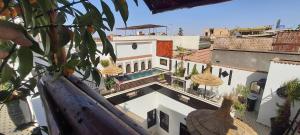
(199, 56)
(144, 26)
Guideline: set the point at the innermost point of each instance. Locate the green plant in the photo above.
(104, 63)
(109, 83)
(240, 108)
(292, 89)
(61, 26)
(242, 91)
(180, 70)
(161, 77)
(194, 70)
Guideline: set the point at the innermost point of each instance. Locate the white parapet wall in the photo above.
(176, 111)
(279, 73)
(189, 42)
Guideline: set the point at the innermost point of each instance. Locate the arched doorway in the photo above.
(149, 64)
(135, 67)
(128, 68)
(143, 65)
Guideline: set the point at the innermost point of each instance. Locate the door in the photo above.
(151, 118)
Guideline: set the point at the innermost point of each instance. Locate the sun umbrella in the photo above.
(207, 79)
(219, 122)
(111, 70)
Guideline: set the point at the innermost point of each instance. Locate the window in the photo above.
(151, 118)
(134, 46)
(149, 64)
(135, 67)
(143, 66)
(188, 68)
(164, 121)
(220, 72)
(230, 76)
(183, 130)
(163, 62)
(128, 68)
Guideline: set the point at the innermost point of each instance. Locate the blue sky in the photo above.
(236, 13)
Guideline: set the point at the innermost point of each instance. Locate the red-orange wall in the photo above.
(164, 48)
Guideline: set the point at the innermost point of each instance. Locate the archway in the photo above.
(128, 68)
(135, 67)
(143, 65)
(149, 64)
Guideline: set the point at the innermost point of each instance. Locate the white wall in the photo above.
(177, 111)
(156, 63)
(278, 75)
(242, 77)
(125, 49)
(190, 42)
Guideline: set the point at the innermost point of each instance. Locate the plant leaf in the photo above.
(96, 76)
(7, 73)
(25, 61)
(108, 13)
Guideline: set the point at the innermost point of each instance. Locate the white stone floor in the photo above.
(7, 127)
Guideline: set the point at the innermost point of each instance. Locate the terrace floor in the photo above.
(250, 117)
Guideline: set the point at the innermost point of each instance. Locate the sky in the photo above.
(235, 13)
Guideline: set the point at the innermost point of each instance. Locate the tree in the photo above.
(298, 27)
(278, 24)
(180, 32)
(24, 20)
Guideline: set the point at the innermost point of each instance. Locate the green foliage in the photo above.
(109, 83)
(194, 70)
(298, 27)
(242, 90)
(240, 108)
(48, 19)
(180, 32)
(292, 89)
(180, 70)
(104, 63)
(161, 77)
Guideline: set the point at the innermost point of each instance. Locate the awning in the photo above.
(157, 6)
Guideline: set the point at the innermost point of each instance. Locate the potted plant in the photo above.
(242, 93)
(239, 109)
(180, 70)
(109, 83)
(194, 72)
(161, 77)
(280, 123)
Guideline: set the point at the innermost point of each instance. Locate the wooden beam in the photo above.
(79, 113)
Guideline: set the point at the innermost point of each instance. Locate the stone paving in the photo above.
(7, 127)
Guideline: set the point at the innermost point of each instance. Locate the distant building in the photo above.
(255, 31)
(287, 41)
(216, 32)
